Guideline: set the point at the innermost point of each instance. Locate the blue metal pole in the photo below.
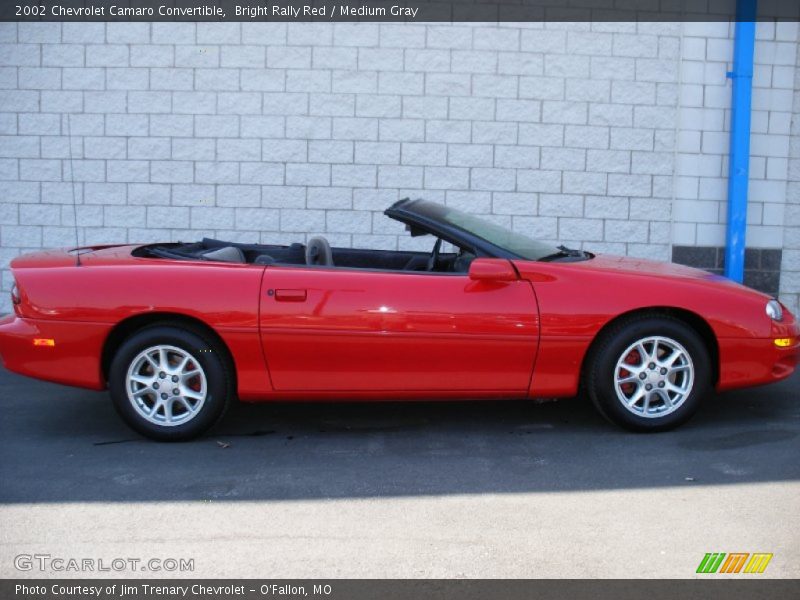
(739, 159)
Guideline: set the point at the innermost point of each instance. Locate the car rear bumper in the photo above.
(58, 351)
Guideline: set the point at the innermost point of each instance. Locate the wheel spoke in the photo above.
(189, 393)
(636, 396)
(142, 379)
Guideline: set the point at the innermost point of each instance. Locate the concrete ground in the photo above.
(487, 489)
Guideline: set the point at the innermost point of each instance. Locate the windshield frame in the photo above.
(430, 217)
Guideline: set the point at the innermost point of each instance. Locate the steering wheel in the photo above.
(433, 259)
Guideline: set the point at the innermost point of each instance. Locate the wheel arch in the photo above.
(130, 325)
(692, 319)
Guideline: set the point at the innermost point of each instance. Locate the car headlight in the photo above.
(15, 298)
(774, 310)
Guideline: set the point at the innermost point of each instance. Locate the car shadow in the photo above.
(67, 445)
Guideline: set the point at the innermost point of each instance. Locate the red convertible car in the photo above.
(177, 331)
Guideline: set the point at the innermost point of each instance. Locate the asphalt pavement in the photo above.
(424, 489)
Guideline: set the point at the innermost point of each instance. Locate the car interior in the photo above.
(316, 252)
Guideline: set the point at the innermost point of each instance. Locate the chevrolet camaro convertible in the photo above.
(177, 331)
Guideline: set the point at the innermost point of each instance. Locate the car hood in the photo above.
(643, 266)
(630, 266)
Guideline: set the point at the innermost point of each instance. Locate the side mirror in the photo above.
(492, 269)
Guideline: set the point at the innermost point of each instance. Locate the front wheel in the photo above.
(649, 373)
(170, 383)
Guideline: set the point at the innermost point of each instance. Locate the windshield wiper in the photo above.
(564, 251)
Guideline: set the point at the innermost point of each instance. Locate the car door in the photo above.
(341, 329)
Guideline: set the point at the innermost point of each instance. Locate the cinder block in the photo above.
(57, 55)
(424, 154)
(327, 151)
(427, 60)
(33, 32)
(517, 157)
(38, 78)
(538, 181)
(354, 175)
(83, 78)
(470, 155)
(261, 173)
(580, 229)
(354, 82)
(387, 153)
(308, 174)
(348, 221)
(119, 78)
(446, 178)
(425, 107)
(560, 205)
(575, 182)
(243, 150)
(493, 179)
(401, 83)
(495, 86)
(449, 84)
(141, 55)
(401, 130)
(216, 172)
(302, 220)
(489, 132)
(137, 102)
(333, 197)
(518, 110)
(380, 59)
(171, 79)
(257, 219)
(449, 36)
(149, 148)
(334, 58)
(197, 56)
(253, 57)
(403, 35)
(390, 176)
(345, 128)
(173, 33)
(495, 38)
(211, 217)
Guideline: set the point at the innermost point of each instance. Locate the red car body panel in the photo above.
(322, 333)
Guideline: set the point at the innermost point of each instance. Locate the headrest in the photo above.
(226, 254)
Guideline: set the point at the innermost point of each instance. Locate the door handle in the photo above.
(290, 295)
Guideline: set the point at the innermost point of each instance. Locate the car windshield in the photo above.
(516, 243)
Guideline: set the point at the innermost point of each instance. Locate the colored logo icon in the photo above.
(735, 562)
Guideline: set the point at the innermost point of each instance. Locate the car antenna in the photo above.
(72, 185)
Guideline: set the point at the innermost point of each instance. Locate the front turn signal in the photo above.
(44, 342)
(784, 342)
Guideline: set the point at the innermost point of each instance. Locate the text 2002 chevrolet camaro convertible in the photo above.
(177, 331)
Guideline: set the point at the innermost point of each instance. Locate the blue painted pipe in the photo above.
(739, 160)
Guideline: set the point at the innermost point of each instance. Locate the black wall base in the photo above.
(762, 266)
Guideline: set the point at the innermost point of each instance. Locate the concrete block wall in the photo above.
(609, 136)
(790, 264)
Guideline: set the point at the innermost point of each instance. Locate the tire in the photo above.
(617, 377)
(143, 391)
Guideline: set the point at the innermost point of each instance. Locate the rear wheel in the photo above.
(649, 373)
(169, 383)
